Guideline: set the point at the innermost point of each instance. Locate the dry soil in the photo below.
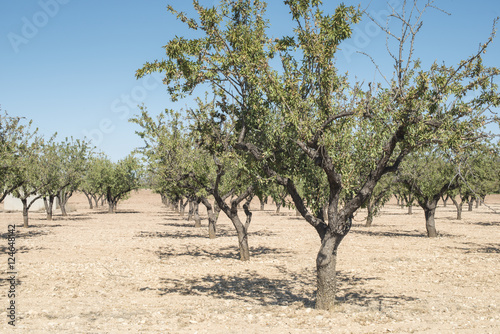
(145, 269)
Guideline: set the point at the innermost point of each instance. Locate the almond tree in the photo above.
(302, 117)
(477, 176)
(28, 172)
(120, 179)
(62, 165)
(428, 176)
(15, 142)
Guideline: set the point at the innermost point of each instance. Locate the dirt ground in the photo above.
(147, 270)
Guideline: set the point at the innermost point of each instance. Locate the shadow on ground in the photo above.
(294, 288)
(411, 234)
(352, 292)
(479, 223)
(221, 253)
(197, 232)
(471, 248)
(248, 286)
(34, 230)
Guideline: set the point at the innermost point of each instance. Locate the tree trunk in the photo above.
(410, 209)
(459, 207)
(445, 199)
(111, 207)
(25, 212)
(49, 204)
(242, 233)
(190, 209)
(369, 216)
(430, 223)
(326, 273)
(262, 203)
(183, 207)
(212, 224)
(196, 214)
(89, 199)
(96, 200)
(63, 200)
(471, 203)
(278, 207)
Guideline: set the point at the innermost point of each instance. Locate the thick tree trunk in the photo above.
(212, 224)
(63, 200)
(278, 207)
(458, 206)
(326, 274)
(369, 216)
(262, 203)
(25, 212)
(182, 206)
(190, 209)
(196, 214)
(89, 199)
(471, 204)
(49, 204)
(96, 201)
(242, 233)
(111, 207)
(213, 214)
(410, 209)
(430, 223)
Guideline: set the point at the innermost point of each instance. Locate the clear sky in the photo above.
(69, 65)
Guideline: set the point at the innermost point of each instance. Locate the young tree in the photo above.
(477, 176)
(63, 165)
(380, 195)
(93, 182)
(28, 172)
(428, 176)
(15, 142)
(120, 179)
(302, 117)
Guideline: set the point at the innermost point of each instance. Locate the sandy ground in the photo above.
(147, 270)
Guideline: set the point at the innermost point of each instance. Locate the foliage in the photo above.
(16, 140)
(302, 121)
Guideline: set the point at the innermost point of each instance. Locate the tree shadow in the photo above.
(481, 223)
(230, 252)
(351, 292)
(22, 232)
(296, 287)
(414, 234)
(117, 212)
(197, 232)
(6, 282)
(19, 250)
(71, 218)
(472, 248)
(248, 286)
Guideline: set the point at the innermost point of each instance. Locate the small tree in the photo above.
(120, 179)
(381, 195)
(15, 142)
(28, 172)
(428, 176)
(63, 165)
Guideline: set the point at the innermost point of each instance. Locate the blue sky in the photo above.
(69, 65)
